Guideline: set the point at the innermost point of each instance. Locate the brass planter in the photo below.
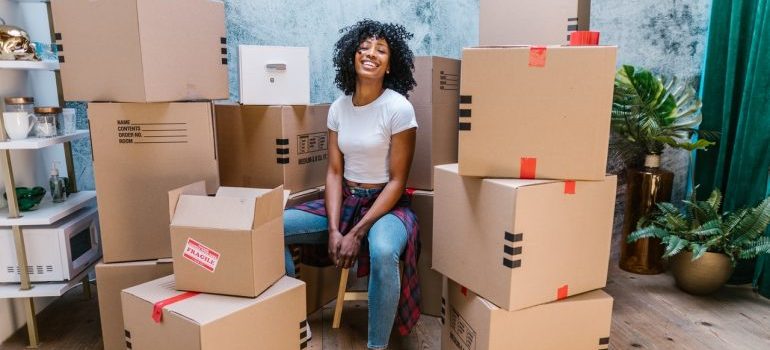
(702, 276)
(644, 188)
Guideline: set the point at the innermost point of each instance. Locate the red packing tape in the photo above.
(157, 308)
(569, 187)
(464, 291)
(528, 168)
(537, 56)
(409, 191)
(584, 38)
(562, 292)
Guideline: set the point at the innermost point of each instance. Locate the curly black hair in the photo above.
(399, 79)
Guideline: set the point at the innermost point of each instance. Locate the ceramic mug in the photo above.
(18, 124)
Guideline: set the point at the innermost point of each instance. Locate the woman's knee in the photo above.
(387, 239)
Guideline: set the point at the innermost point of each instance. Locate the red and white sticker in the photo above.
(201, 255)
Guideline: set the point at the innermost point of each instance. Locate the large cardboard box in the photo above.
(231, 243)
(268, 146)
(520, 243)
(322, 285)
(141, 50)
(140, 152)
(435, 101)
(541, 113)
(430, 280)
(274, 320)
(581, 322)
(541, 22)
(113, 278)
(274, 75)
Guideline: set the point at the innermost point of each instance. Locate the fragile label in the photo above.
(201, 255)
(460, 332)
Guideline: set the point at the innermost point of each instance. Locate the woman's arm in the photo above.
(401, 153)
(333, 194)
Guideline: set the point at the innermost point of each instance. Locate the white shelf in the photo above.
(48, 212)
(38, 143)
(43, 289)
(29, 65)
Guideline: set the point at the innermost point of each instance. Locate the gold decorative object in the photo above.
(703, 276)
(15, 44)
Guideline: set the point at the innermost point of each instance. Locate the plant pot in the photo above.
(702, 276)
(644, 188)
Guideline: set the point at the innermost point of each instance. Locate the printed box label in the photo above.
(201, 255)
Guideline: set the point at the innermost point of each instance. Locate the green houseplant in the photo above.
(703, 242)
(649, 113)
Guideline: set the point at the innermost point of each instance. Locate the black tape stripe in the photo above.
(281, 142)
(511, 264)
(224, 60)
(281, 151)
(510, 237)
(57, 36)
(284, 160)
(604, 341)
(443, 301)
(303, 335)
(442, 320)
(303, 324)
(512, 250)
(465, 112)
(464, 126)
(59, 47)
(452, 74)
(223, 50)
(61, 59)
(223, 40)
(303, 345)
(466, 99)
(128, 345)
(573, 19)
(572, 27)
(127, 333)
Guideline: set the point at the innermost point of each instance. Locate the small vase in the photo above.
(644, 188)
(703, 276)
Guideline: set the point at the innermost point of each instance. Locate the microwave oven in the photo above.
(56, 252)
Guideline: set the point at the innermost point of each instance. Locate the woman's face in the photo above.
(372, 59)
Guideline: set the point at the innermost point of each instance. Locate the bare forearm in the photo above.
(333, 199)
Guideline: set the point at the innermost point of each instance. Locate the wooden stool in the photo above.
(343, 295)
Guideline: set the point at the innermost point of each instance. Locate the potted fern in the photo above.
(704, 244)
(649, 113)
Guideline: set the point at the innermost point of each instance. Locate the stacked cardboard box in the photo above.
(522, 225)
(541, 22)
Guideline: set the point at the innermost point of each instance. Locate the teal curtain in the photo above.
(736, 103)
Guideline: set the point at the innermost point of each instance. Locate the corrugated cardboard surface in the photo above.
(260, 85)
(435, 101)
(141, 50)
(558, 113)
(142, 151)
(541, 22)
(273, 320)
(518, 242)
(430, 280)
(322, 285)
(244, 226)
(268, 146)
(581, 322)
(112, 278)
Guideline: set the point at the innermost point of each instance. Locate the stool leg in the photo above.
(340, 298)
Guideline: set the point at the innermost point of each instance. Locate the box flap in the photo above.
(198, 188)
(226, 213)
(512, 183)
(251, 193)
(204, 308)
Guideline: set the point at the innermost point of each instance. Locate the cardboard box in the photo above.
(231, 243)
(520, 243)
(113, 278)
(141, 50)
(540, 113)
(430, 280)
(549, 22)
(268, 146)
(140, 152)
(435, 101)
(304, 196)
(274, 75)
(274, 320)
(581, 322)
(322, 284)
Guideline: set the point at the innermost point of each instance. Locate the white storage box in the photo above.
(274, 75)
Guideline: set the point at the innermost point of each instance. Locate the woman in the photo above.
(365, 214)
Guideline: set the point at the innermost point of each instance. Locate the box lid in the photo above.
(204, 308)
(512, 183)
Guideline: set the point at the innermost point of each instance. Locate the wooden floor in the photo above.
(649, 313)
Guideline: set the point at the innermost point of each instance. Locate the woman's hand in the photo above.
(335, 240)
(349, 248)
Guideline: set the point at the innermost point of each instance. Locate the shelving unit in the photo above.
(47, 212)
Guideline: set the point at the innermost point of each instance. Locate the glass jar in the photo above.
(46, 121)
(20, 104)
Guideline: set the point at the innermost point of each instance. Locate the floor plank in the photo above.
(649, 313)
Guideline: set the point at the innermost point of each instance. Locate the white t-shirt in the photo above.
(363, 133)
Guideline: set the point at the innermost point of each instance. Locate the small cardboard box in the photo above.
(581, 322)
(541, 22)
(274, 75)
(231, 243)
(430, 280)
(536, 112)
(140, 152)
(141, 50)
(435, 101)
(268, 146)
(322, 285)
(275, 320)
(113, 278)
(520, 243)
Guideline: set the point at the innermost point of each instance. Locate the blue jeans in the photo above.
(387, 239)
